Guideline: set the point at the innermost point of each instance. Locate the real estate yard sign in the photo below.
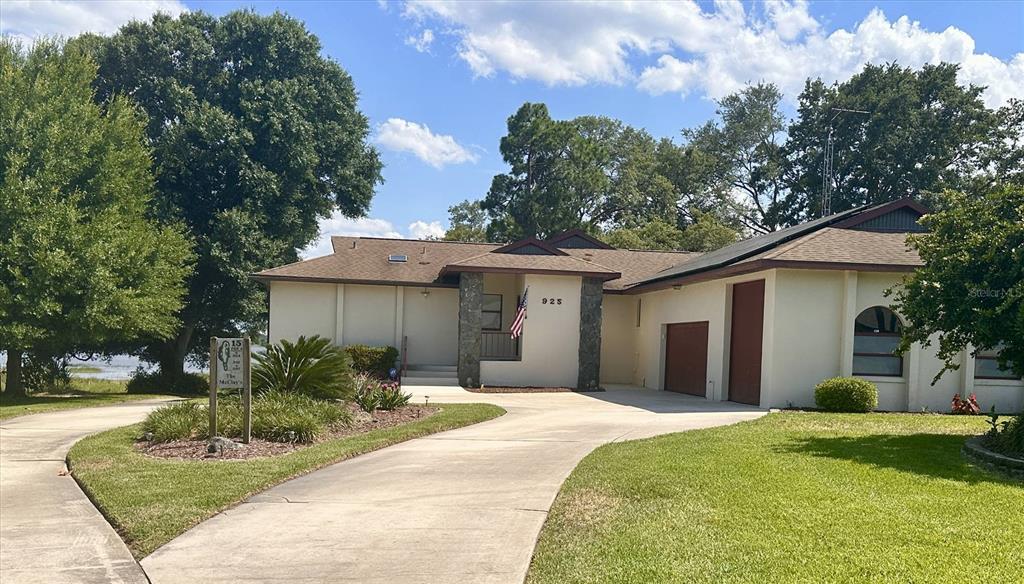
(229, 369)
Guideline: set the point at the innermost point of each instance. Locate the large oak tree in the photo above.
(82, 261)
(256, 136)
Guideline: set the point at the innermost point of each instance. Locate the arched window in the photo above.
(876, 334)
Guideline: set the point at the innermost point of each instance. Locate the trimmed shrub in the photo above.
(375, 361)
(846, 394)
(310, 366)
(155, 382)
(276, 416)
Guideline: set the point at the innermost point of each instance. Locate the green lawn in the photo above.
(150, 501)
(792, 497)
(84, 393)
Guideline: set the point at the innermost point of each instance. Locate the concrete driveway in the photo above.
(463, 506)
(49, 530)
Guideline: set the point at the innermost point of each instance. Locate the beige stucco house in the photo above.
(761, 321)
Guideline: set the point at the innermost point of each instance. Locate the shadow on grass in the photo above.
(934, 455)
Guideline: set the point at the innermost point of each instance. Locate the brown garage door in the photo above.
(686, 357)
(745, 343)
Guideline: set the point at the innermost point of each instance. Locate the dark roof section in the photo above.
(747, 248)
(897, 217)
(577, 239)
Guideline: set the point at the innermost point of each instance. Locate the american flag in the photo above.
(517, 323)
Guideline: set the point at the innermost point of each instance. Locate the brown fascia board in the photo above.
(529, 241)
(265, 279)
(760, 265)
(861, 218)
(559, 237)
(602, 275)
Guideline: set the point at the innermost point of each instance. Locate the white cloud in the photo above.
(681, 48)
(423, 230)
(436, 150)
(422, 42)
(33, 19)
(365, 227)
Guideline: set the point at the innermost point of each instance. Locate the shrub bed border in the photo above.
(975, 451)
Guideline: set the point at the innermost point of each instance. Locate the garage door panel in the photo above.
(686, 357)
(745, 343)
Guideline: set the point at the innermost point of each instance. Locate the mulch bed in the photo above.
(491, 389)
(259, 448)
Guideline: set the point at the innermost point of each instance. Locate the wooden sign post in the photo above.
(230, 368)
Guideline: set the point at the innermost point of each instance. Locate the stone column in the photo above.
(591, 295)
(471, 298)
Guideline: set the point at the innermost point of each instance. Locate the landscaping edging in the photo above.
(149, 501)
(976, 452)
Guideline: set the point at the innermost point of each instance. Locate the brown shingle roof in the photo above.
(365, 259)
(846, 246)
(634, 265)
(527, 263)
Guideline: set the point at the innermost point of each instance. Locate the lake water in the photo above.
(117, 367)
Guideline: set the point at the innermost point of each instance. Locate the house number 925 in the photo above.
(550, 300)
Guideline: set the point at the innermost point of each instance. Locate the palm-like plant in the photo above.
(311, 366)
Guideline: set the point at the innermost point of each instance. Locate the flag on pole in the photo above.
(517, 322)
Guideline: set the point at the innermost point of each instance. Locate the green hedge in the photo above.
(846, 394)
(376, 361)
(154, 382)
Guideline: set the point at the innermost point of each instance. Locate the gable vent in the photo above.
(397, 258)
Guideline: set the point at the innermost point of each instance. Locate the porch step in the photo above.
(447, 368)
(417, 372)
(415, 379)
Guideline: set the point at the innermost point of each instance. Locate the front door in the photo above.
(686, 357)
(745, 344)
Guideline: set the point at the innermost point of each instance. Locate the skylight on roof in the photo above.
(398, 258)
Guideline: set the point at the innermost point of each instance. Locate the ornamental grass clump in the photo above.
(276, 416)
(180, 421)
(846, 394)
(283, 417)
(311, 366)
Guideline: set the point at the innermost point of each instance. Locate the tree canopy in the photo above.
(82, 261)
(749, 170)
(592, 173)
(923, 133)
(256, 136)
(706, 234)
(468, 222)
(970, 291)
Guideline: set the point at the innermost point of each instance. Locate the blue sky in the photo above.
(437, 80)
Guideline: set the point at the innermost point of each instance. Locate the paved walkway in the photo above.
(463, 506)
(49, 530)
